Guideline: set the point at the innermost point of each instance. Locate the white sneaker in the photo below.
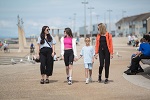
(87, 81)
(70, 82)
(90, 79)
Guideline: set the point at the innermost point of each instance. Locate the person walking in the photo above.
(88, 53)
(103, 47)
(68, 52)
(46, 48)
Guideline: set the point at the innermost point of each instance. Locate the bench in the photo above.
(145, 61)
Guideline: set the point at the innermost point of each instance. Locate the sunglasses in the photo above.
(48, 29)
(87, 40)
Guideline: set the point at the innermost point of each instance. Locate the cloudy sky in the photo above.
(61, 13)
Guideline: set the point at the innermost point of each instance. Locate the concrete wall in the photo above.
(148, 25)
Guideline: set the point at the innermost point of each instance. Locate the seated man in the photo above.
(32, 48)
(5, 46)
(144, 53)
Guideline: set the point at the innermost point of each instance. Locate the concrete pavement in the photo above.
(22, 81)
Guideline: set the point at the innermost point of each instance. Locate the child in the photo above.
(55, 57)
(88, 53)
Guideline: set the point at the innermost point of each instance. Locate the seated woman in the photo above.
(144, 53)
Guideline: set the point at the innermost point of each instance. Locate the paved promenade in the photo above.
(22, 81)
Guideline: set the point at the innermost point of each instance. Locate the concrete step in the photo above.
(14, 60)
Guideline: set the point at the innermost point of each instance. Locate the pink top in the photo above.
(68, 42)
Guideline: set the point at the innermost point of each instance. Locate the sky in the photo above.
(63, 13)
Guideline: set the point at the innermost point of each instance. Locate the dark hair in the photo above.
(147, 37)
(68, 32)
(143, 40)
(42, 35)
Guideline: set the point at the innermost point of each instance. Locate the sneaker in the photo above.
(42, 81)
(106, 81)
(87, 81)
(67, 79)
(47, 81)
(70, 82)
(90, 79)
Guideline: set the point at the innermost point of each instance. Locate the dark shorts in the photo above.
(68, 57)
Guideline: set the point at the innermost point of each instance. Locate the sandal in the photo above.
(42, 81)
(47, 81)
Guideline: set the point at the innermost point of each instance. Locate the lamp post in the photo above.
(109, 19)
(74, 23)
(123, 21)
(84, 17)
(97, 16)
(71, 22)
(90, 8)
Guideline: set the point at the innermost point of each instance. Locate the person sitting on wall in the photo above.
(5, 47)
(144, 53)
(32, 48)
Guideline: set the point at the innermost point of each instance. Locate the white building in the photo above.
(138, 25)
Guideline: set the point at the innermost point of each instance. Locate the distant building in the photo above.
(138, 25)
(93, 32)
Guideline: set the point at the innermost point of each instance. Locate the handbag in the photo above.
(38, 59)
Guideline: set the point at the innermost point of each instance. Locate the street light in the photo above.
(109, 20)
(90, 8)
(123, 21)
(84, 17)
(74, 23)
(71, 22)
(97, 16)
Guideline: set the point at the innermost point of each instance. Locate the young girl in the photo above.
(68, 51)
(88, 53)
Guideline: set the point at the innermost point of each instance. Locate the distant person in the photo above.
(1, 44)
(68, 52)
(5, 45)
(55, 57)
(77, 41)
(129, 39)
(103, 48)
(88, 54)
(46, 49)
(32, 48)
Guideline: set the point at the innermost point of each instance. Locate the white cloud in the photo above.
(6, 24)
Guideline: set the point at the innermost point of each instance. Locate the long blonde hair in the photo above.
(101, 28)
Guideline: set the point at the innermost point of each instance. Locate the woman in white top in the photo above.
(68, 52)
(46, 49)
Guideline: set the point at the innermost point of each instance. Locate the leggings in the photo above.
(104, 58)
(46, 60)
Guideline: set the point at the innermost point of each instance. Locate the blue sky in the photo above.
(60, 13)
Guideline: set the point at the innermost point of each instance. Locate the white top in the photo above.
(88, 53)
(73, 46)
(5, 45)
(53, 42)
(129, 38)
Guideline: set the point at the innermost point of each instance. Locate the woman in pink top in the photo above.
(68, 52)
